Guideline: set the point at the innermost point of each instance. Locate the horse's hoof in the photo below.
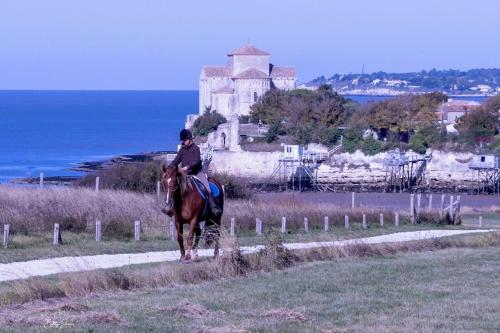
(185, 260)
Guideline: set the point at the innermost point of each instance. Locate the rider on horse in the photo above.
(190, 158)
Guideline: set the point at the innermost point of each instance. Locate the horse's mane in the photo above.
(184, 183)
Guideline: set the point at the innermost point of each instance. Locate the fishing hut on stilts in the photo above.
(404, 172)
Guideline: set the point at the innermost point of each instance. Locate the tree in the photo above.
(208, 122)
(478, 126)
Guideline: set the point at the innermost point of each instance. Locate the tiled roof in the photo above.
(247, 50)
(252, 73)
(282, 71)
(224, 90)
(217, 71)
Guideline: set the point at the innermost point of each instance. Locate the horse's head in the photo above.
(170, 179)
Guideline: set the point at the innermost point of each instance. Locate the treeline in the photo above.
(430, 80)
(405, 122)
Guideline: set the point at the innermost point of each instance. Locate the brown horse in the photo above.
(188, 209)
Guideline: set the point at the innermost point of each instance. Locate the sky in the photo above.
(163, 44)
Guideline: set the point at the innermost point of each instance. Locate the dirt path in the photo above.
(26, 269)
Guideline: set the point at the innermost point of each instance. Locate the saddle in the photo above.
(198, 185)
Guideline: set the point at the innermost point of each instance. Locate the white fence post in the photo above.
(6, 230)
(346, 221)
(419, 201)
(429, 209)
(171, 227)
(231, 232)
(381, 219)
(441, 208)
(306, 224)
(283, 225)
(412, 208)
(365, 225)
(97, 184)
(327, 223)
(158, 188)
(41, 179)
(480, 221)
(57, 234)
(396, 219)
(353, 200)
(137, 230)
(97, 231)
(258, 226)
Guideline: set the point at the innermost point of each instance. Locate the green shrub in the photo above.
(371, 146)
(133, 176)
(275, 129)
(208, 122)
(234, 187)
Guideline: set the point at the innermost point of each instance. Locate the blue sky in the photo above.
(161, 44)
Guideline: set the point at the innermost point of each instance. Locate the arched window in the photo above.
(223, 137)
(255, 97)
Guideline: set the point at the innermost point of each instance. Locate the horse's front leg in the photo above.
(180, 239)
(197, 237)
(192, 227)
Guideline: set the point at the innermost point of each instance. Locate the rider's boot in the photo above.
(216, 211)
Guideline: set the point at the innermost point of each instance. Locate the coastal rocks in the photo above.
(445, 170)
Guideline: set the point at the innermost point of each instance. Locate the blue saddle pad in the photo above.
(214, 189)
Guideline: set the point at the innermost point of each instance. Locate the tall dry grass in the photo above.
(76, 209)
(29, 210)
(271, 211)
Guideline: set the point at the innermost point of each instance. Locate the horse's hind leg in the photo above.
(216, 236)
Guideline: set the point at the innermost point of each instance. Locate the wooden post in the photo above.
(429, 209)
(57, 234)
(346, 221)
(327, 223)
(283, 225)
(381, 219)
(365, 225)
(258, 226)
(6, 230)
(396, 219)
(171, 227)
(137, 230)
(452, 198)
(97, 231)
(480, 221)
(97, 184)
(419, 201)
(306, 224)
(232, 227)
(441, 208)
(412, 208)
(41, 179)
(457, 210)
(353, 200)
(158, 188)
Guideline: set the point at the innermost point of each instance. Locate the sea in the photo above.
(53, 131)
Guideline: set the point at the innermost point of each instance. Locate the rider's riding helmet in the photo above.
(185, 134)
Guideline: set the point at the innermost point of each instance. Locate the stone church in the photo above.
(232, 89)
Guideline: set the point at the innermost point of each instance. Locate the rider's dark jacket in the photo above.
(189, 157)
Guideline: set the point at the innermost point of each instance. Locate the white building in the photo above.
(233, 88)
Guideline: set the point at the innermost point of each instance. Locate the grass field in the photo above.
(451, 290)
